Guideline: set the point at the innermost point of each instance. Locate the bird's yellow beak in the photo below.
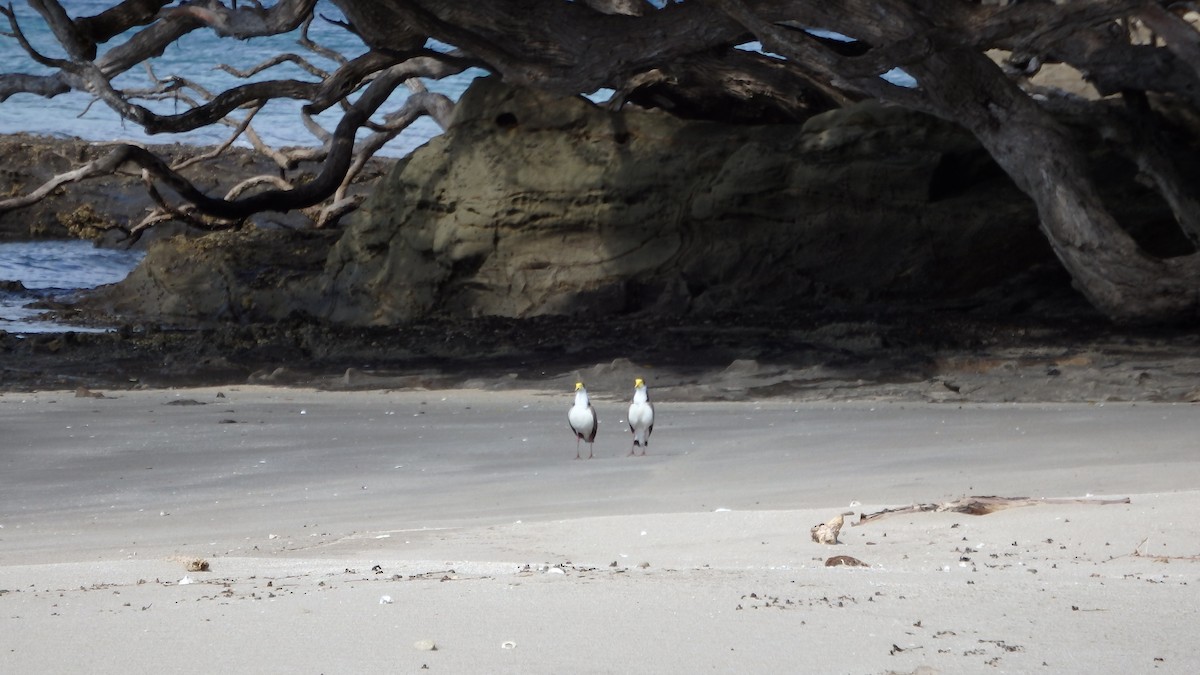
(638, 382)
(578, 386)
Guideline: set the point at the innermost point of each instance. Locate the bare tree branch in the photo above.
(318, 49)
(102, 166)
(1181, 38)
(350, 77)
(78, 47)
(118, 19)
(246, 22)
(282, 160)
(420, 103)
(48, 86)
(575, 47)
(255, 181)
(271, 63)
(19, 34)
(216, 152)
(331, 213)
(828, 69)
(322, 186)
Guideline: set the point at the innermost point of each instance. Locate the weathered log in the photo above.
(981, 506)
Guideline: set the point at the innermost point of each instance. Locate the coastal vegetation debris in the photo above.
(981, 506)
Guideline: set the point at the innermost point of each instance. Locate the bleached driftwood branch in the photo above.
(981, 506)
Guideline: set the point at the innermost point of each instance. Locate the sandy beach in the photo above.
(453, 531)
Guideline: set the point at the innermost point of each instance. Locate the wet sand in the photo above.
(345, 531)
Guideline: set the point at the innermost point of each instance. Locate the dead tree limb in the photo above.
(217, 151)
(101, 166)
(981, 506)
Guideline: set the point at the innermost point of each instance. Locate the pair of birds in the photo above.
(582, 417)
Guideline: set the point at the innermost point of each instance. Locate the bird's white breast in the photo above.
(580, 416)
(641, 414)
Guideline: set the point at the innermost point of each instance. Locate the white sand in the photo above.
(486, 533)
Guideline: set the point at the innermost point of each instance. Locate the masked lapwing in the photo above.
(582, 417)
(641, 417)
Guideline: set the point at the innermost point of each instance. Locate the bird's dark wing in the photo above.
(595, 424)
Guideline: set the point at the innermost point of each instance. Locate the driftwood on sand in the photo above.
(981, 506)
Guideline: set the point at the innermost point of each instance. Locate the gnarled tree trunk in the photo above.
(1108, 266)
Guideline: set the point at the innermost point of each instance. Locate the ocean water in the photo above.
(54, 269)
(195, 57)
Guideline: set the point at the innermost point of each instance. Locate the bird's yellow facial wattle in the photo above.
(638, 382)
(578, 386)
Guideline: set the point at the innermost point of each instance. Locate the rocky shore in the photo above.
(889, 261)
(939, 357)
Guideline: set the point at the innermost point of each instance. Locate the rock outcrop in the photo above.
(241, 277)
(535, 205)
(532, 205)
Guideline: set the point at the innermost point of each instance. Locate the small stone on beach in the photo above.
(845, 561)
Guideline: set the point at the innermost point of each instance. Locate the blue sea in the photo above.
(54, 269)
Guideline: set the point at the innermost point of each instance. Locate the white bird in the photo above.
(582, 417)
(641, 417)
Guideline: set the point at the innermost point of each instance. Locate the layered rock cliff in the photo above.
(531, 205)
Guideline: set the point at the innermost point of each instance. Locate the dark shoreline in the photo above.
(940, 357)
